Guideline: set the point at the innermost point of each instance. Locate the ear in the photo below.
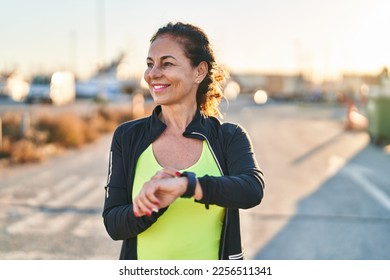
(201, 72)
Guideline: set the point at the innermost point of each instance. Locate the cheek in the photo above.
(146, 75)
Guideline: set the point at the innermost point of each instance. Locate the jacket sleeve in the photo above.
(118, 215)
(242, 186)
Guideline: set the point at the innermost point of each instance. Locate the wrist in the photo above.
(198, 191)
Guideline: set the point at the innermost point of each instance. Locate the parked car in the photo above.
(39, 91)
(58, 89)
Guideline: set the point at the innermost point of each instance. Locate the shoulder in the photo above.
(230, 128)
(219, 124)
(234, 134)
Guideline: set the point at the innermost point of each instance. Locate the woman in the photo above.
(178, 177)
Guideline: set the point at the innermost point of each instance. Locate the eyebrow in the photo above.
(163, 57)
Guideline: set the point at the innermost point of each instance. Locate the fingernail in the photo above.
(135, 213)
(155, 210)
(148, 213)
(178, 174)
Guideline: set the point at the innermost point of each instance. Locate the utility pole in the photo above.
(73, 52)
(101, 42)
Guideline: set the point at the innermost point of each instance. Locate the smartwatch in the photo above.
(191, 177)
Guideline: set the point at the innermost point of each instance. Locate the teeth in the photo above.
(159, 86)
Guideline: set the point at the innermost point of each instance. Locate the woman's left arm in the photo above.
(243, 185)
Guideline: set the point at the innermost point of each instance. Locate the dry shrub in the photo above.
(5, 149)
(46, 124)
(11, 125)
(92, 128)
(23, 151)
(39, 137)
(49, 133)
(105, 125)
(64, 129)
(69, 131)
(104, 120)
(107, 119)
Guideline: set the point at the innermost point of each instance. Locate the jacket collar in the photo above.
(155, 125)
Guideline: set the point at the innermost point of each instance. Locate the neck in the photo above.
(177, 118)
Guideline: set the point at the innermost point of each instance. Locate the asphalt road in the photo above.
(327, 193)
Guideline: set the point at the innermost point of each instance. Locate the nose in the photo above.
(155, 72)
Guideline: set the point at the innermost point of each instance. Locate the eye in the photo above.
(167, 63)
(149, 64)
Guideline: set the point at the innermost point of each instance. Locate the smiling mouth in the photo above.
(160, 87)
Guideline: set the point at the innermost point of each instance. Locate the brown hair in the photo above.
(197, 48)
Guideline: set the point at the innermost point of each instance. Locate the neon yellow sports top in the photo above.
(187, 230)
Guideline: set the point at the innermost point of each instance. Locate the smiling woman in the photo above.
(181, 151)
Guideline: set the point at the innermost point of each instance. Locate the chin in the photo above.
(160, 101)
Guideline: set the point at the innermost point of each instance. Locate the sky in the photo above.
(319, 38)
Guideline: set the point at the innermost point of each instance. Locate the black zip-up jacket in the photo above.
(241, 185)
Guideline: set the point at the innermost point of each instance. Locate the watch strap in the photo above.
(191, 177)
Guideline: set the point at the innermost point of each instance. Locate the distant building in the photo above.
(378, 84)
(276, 85)
(249, 83)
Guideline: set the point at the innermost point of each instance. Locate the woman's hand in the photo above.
(159, 192)
(166, 173)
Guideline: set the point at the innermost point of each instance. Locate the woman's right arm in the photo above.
(118, 216)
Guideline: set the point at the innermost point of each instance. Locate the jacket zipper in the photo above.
(220, 169)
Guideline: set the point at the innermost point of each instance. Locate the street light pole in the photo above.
(73, 52)
(101, 40)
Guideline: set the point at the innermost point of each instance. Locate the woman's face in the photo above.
(169, 74)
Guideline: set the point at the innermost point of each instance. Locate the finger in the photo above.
(147, 203)
(141, 208)
(166, 173)
(148, 207)
(159, 175)
(172, 172)
(136, 209)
